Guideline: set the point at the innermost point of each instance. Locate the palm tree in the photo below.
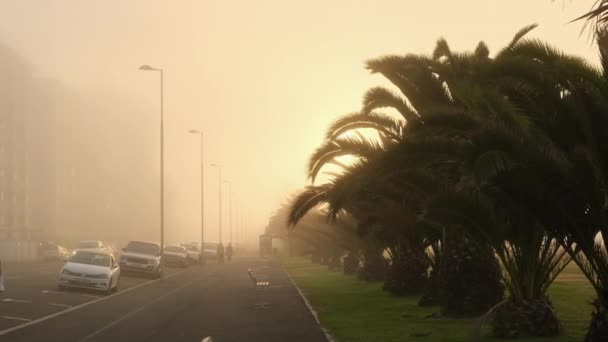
(542, 156)
(567, 100)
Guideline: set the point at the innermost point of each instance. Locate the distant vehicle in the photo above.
(141, 257)
(53, 252)
(91, 269)
(176, 255)
(92, 244)
(193, 250)
(210, 250)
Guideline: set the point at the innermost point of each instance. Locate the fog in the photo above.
(262, 80)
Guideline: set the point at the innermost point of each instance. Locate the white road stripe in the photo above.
(60, 305)
(90, 296)
(53, 292)
(132, 313)
(17, 318)
(46, 318)
(16, 300)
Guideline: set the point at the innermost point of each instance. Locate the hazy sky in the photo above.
(262, 78)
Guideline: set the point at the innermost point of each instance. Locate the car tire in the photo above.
(117, 285)
(61, 288)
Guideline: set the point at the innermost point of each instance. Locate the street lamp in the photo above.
(162, 167)
(202, 256)
(230, 207)
(219, 168)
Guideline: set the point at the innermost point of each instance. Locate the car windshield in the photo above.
(143, 248)
(175, 249)
(88, 244)
(91, 259)
(192, 248)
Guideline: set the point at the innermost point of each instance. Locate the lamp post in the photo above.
(202, 255)
(230, 207)
(219, 168)
(162, 167)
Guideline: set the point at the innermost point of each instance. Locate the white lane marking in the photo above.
(16, 318)
(16, 300)
(132, 313)
(60, 305)
(46, 318)
(53, 292)
(90, 296)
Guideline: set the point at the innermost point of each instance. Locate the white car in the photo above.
(92, 244)
(90, 269)
(194, 253)
(176, 255)
(54, 252)
(142, 257)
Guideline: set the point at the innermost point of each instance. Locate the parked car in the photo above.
(142, 257)
(51, 252)
(176, 255)
(194, 252)
(92, 244)
(90, 269)
(210, 250)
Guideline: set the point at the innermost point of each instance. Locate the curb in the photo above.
(314, 314)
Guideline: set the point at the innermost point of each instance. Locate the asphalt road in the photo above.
(187, 305)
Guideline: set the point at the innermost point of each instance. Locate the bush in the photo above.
(407, 275)
(351, 263)
(334, 263)
(374, 267)
(315, 258)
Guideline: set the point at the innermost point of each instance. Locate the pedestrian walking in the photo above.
(229, 251)
(220, 253)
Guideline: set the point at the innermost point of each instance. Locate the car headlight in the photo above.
(68, 272)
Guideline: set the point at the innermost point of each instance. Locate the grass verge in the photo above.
(353, 310)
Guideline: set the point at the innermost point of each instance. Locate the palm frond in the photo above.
(355, 121)
(520, 35)
(311, 197)
(379, 97)
(349, 146)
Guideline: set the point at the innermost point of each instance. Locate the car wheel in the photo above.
(61, 287)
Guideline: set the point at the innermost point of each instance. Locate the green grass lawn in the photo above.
(353, 310)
